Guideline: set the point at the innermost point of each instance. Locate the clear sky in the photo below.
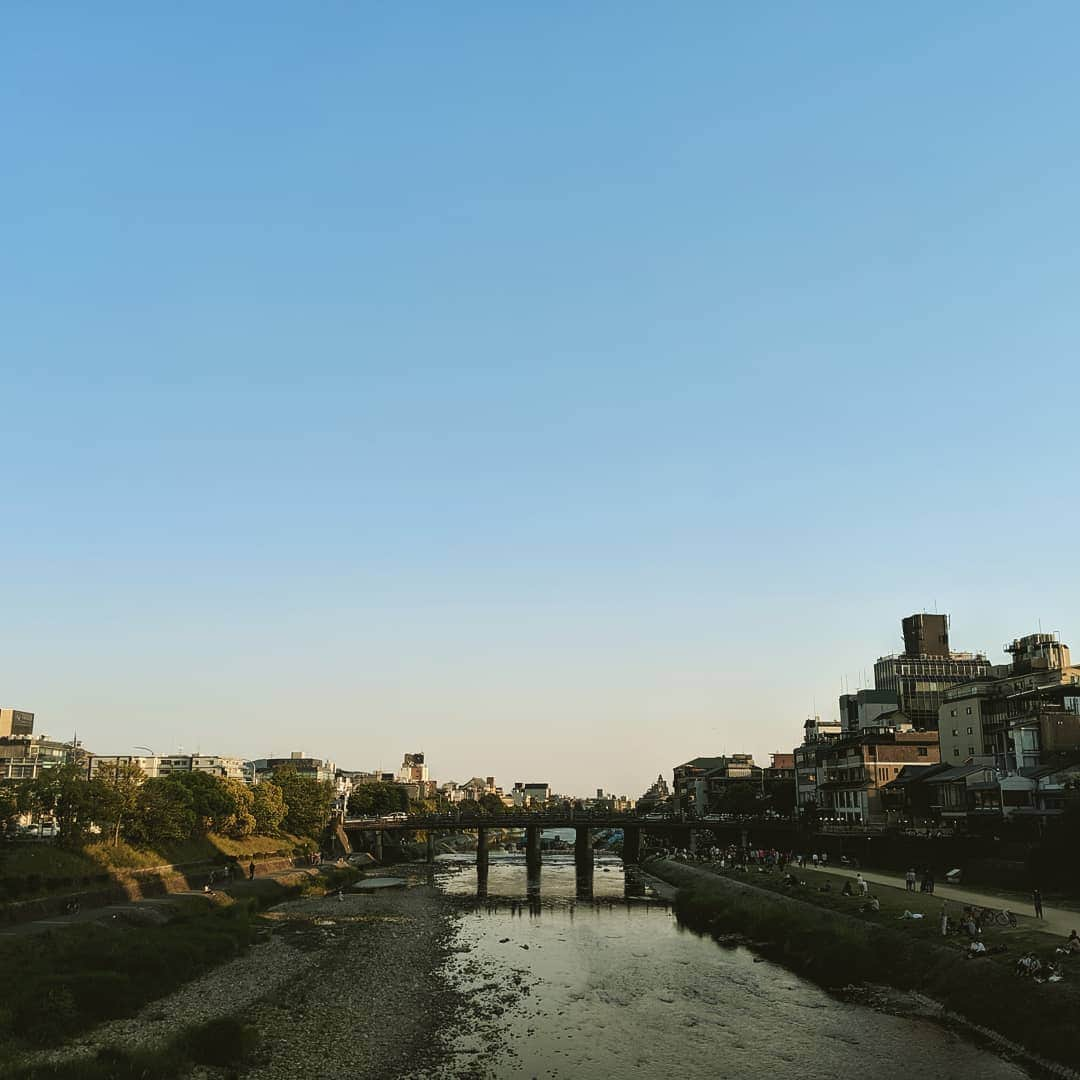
(564, 390)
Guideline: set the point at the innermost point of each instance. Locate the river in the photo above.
(612, 986)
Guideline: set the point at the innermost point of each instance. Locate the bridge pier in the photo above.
(430, 846)
(482, 851)
(378, 846)
(631, 848)
(532, 846)
(583, 862)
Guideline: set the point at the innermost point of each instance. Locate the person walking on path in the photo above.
(930, 882)
(864, 888)
(945, 919)
(1036, 899)
(909, 879)
(251, 870)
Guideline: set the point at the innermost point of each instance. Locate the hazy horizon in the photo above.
(564, 393)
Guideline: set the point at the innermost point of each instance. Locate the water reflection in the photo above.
(566, 986)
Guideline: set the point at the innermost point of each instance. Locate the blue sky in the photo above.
(563, 390)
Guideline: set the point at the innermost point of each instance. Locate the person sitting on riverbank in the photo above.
(1072, 944)
(848, 890)
(976, 948)
(871, 905)
(1028, 965)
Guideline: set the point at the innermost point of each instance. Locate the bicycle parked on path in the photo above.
(1004, 917)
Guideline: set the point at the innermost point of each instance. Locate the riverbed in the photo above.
(564, 980)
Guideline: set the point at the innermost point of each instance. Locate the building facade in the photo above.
(854, 770)
(920, 679)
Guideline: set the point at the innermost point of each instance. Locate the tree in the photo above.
(211, 801)
(491, 804)
(268, 808)
(739, 798)
(781, 795)
(115, 794)
(241, 822)
(64, 793)
(9, 805)
(164, 812)
(374, 800)
(307, 801)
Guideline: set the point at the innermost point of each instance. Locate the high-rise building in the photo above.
(16, 722)
(920, 678)
(926, 635)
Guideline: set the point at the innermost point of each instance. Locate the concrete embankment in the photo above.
(837, 949)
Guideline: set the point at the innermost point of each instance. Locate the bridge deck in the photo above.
(514, 821)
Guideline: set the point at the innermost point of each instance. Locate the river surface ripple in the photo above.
(612, 986)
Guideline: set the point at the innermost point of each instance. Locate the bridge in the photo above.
(583, 822)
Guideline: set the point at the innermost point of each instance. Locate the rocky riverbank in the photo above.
(345, 986)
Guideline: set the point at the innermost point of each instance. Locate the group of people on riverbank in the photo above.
(924, 878)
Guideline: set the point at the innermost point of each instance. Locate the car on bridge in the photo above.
(400, 815)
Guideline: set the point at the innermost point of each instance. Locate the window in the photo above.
(971, 751)
(969, 710)
(952, 712)
(955, 731)
(922, 751)
(969, 731)
(956, 751)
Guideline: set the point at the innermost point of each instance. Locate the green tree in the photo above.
(374, 800)
(65, 794)
(268, 808)
(164, 812)
(491, 804)
(212, 802)
(739, 798)
(241, 822)
(115, 795)
(307, 801)
(9, 805)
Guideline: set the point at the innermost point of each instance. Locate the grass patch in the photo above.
(220, 1043)
(822, 936)
(29, 869)
(56, 984)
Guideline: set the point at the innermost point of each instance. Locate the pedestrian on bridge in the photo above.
(1036, 899)
(251, 870)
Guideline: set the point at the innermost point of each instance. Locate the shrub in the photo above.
(222, 1041)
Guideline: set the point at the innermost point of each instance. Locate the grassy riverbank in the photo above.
(810, 932)
(55, 985)
(29, 870)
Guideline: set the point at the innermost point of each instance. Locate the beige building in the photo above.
(1025, 702)
(230, 768)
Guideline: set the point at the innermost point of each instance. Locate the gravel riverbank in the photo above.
(336, 987)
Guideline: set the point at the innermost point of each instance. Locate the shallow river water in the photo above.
(611, 986)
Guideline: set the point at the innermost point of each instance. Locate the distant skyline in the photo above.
(565, 392)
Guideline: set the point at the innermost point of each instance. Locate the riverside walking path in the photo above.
(1054, 920)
